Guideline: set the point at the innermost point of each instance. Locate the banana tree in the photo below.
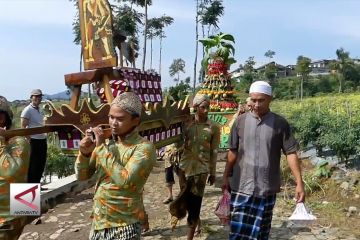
(218, 47)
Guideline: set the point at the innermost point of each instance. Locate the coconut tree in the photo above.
(210, 15)
(154, 30)
(126, 22)
(165, 21)
(144, 4)
(177, 66)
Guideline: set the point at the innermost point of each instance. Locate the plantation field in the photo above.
(330, 121)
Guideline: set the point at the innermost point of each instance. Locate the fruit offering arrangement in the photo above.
(147, 85)
(217, 85)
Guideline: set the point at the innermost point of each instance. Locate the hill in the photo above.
(64, 95)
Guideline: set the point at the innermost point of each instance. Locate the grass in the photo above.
(325, 199)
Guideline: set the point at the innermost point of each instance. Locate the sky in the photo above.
(37, 49)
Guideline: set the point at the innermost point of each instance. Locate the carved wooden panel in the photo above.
(96, 34)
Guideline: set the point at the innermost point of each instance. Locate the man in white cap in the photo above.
(32, 116)
(122, 166)
(255, 144)
(248, 104)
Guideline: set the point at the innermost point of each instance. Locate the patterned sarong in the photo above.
(250, 216)
(129, 232)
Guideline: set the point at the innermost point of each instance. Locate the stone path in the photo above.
(70, 220)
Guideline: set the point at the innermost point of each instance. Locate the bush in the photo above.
(58, 163)
(330, 121)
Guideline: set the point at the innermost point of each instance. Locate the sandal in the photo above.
(145, 226)
(168, 200)
(198, 229)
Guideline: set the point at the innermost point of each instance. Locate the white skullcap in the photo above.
(260, 87)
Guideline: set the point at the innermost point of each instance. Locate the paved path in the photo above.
(70, 220)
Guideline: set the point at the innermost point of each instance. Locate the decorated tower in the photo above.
(217, 83)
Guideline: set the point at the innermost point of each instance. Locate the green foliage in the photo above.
(249, 65)
(210, 14)
(303, 69)
(322, 170)
(177, 66)
(140, 3)
(223, 43)
(330, 122)
(270, 72)
(308, 127)
(269, 54)
(180, 91)
(245, 82)
(154, 28)
(311, 182)
(58, 163)
(126, 20)
(303, 66)
(339, 136)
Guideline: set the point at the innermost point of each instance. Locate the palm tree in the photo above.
(126, 22)
(303, 69)
(196, 41)
(165, 21)
(144, 4)
(210, 15)
(153, 31)
(339, 65)
(210, 12)
(176, 67)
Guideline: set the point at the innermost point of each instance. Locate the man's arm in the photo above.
(232, 154)
(24, 122)
(25, 118)
(215, 141)
(294, 165)
(85, 166)
(231, 160)
(290, 147)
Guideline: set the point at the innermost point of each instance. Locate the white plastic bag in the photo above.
(302, 216)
